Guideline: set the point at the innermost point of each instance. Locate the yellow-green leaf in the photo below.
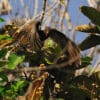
(14, 60)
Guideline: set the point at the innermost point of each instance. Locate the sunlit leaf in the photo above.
(49, 43)
(19, 86)
(51, 51)
(41, 98)
(87, 28)
(14, 60)
(5, 37)
(48, 61)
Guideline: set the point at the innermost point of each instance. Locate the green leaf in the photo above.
(41, 98)
(57, 50)
(48, 61)
(1, 69)
(19, 86)
(3, 52)
(49, 43)
(3, 78)
(2, 20)
(1, 89)
(89, 42)
(5, 37)
(51, 54)
(51, 51)
(86, 61)
(92, 13)
(14, 60)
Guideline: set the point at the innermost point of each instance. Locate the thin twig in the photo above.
(37, 16)
(63, 14)
(36, 68)
(43, 11)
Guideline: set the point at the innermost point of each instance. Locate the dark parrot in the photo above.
(50, 47)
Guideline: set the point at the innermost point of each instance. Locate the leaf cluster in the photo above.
(60, 84)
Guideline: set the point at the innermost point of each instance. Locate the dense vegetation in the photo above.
(47, 72)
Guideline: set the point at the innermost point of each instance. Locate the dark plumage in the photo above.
(69, 47)
(61, 75)
(32, 37)
(40, 32)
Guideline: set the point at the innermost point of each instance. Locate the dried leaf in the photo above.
(87, 28)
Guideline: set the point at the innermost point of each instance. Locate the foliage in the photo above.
(1, 19)
(91, 13)
(45, 81)
(94, 31)
(14, 60)
(90, 84)
(12, 90)
(51, 50)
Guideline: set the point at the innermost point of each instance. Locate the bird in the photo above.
(34, 38)
(70, 54)
(69, 48)
(31, 36)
